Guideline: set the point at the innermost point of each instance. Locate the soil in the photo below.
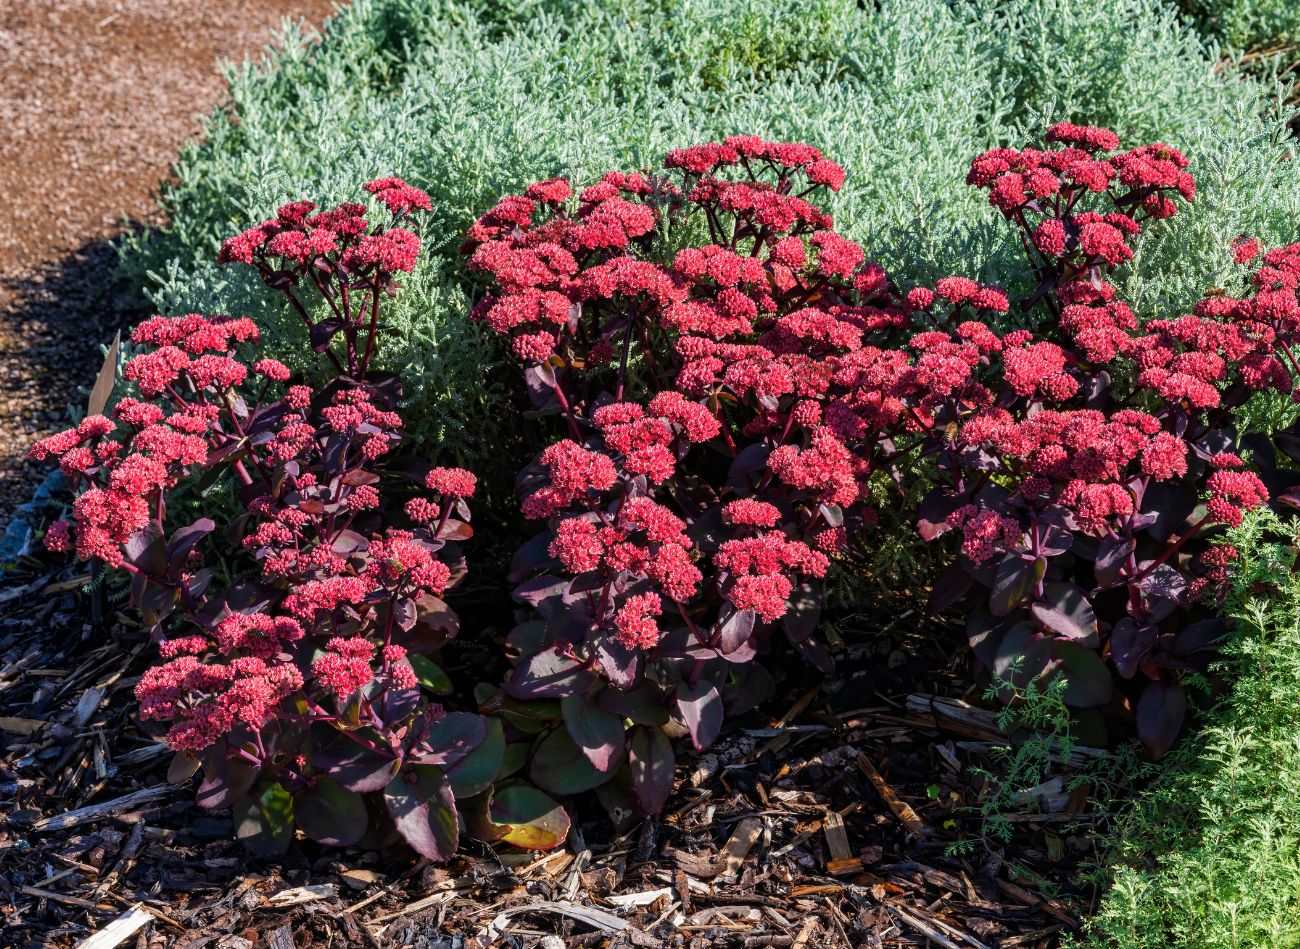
(96, 96)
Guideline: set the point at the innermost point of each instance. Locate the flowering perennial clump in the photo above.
(736, 390)
(297, 683)
(349, 261)
(1071, 460)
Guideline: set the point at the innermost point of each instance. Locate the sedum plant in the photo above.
(476, 98)
(303, 687)
(735, 381)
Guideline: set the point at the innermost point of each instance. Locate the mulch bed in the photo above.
(823, 821)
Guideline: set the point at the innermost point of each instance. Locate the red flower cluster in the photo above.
(350, 263)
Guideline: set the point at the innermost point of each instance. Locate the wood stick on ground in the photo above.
(442, 896)
(902, 810)
(61, 898)
(805, 934)
(922, 926)
(741, 842)
(119, 930)
(118, 805)
(595, 918)
(804, 835)
(1051, 907)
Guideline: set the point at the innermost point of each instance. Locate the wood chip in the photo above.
(301, 894)
(917, 924)
(595, 918)
(1051, 907)
(21, 726)
(805, 933)
(740, 843)
(446, 894)
(837, 838)
(632, 900)
(902, 810)
(119, 930)
(119, 805)
(63, 898)
(281, 938)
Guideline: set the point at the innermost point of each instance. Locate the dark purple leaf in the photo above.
(225, 779)
(423, 809)
(323, 332)
(535, 591)
(532, 820)
(1088, 681)
(833, 514)
(1015, 579)
(1199, 636)
(405, 613)
(187, 538)
(736, 631)
(746, 687)
(1064, 610)
(330, 814)
(547, 674)
(700, 706)
(474, 773)
(1022, 655)
(1160, 713)
(621, 664)
(932, 515)
(530, 556)
(1112, 557)
(750, 461)
(356, 766)
(597, 732)
(949, 587)
(644, 705)
(1129, 645)
(451, 738)
(1164, 582)
(561, 767)
(264, 820)
(651, 760)
(1173, 503)
(802, 615)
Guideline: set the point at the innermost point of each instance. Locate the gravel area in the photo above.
(96, 96)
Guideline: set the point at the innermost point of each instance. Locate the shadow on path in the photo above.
(54, 322)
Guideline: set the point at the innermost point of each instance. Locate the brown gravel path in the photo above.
(96, 96)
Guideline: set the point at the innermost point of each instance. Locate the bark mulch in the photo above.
(823, 821)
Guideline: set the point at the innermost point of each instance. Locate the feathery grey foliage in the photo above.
(473, 100)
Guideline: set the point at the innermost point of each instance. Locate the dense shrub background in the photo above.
(1208, 857)
(1250, 25)
(473, 100)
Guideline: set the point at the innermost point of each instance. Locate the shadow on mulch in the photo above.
(822, 821)
(54, 321)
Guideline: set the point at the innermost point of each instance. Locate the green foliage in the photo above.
(1210, 856)
(1038, 711)
(472, 100)
(1265, 25)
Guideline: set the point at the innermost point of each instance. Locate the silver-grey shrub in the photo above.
(472, 100)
